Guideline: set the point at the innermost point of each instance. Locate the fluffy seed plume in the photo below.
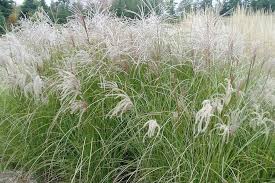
(35, 88)
(236, 118)
(68, 85)
(203, 117)
(228, 92)
(108, 85)
(217, 104)
(153, 126)
(79, 107)
(261, 119)
(124, 105)
(224, 131)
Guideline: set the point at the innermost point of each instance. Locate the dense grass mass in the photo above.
(113, 100)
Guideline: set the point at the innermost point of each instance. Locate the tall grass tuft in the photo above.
(104, 99)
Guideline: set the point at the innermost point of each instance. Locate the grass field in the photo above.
(103, 99)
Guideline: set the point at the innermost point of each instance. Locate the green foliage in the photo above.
(133, 8)
(6, 7)
(44, 5)
(28, 8)
(229, 6)
(6, 10)
(205, 4)
(2, 23)
(185, 6)
(60, 11)
(266, 5)
(100, 149)
(171, 7)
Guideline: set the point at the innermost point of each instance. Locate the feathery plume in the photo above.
(224, 131)
(122, 106)
(153, 126)
(108, 85)
(228, 92)
(69, 87)
(203, 117)
(217, 104)
(37, 87)
(78, 106)
(260, 119)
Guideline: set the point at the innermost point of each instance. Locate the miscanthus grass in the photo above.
(117, 100)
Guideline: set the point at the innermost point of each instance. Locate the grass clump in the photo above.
(102, 111)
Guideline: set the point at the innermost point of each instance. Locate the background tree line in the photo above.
(10, 12)
(226, 7)
(60, 10)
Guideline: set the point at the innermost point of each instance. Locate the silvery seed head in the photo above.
(153, 127)
(203, 117)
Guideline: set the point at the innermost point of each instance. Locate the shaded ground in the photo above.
(15, 177)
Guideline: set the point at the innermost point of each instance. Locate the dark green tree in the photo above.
(171, 7)
(6, 7)
(205, 4)
(132, 8)
(2, 23)
(44, 5)
(185, 6)
(229, 6)
(246, 3)
(28, 8)
(266, 5)
(60, 11)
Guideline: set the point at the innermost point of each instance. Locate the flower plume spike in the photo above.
(228, 93)
(37, 86)
(224, 131)
(203, 117)
(124, 105)
(217, 104)
(68, 85)
(79, 106)
(108, 85)
(153, 126)
(35, 89)
(261, 119)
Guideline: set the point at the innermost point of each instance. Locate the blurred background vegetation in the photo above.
(60, 10)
